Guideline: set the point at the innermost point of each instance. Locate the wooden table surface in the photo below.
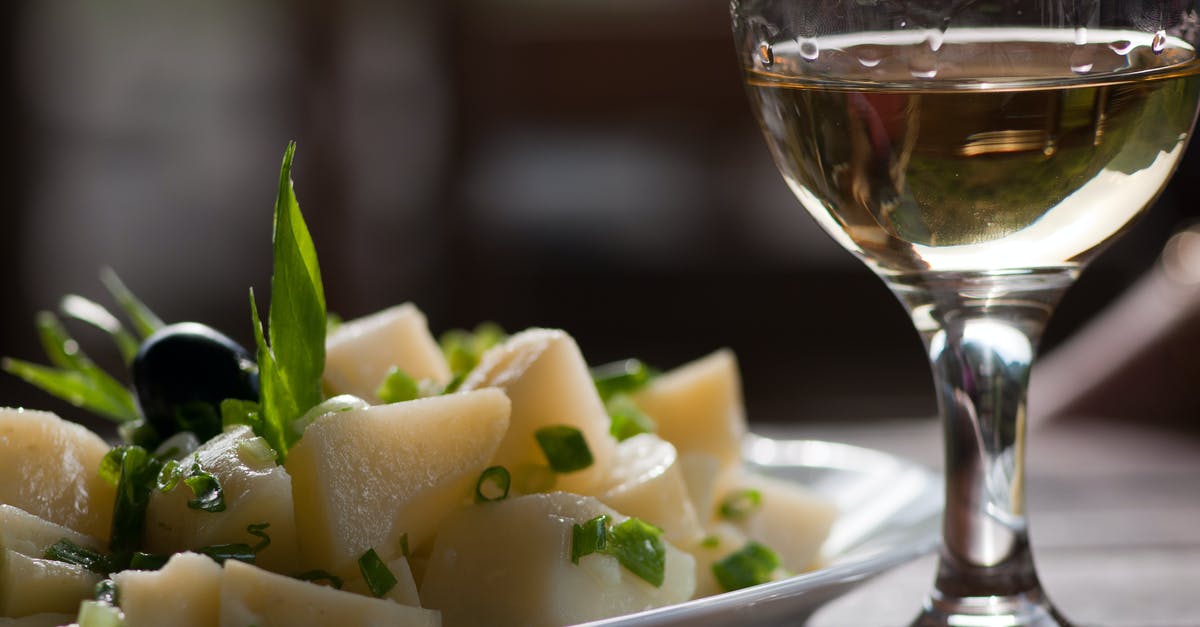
(1114, 514)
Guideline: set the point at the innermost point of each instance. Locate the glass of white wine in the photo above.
(975, 154)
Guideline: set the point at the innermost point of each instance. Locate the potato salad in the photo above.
(368, 472)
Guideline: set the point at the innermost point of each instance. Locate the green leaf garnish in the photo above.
(493, 484)
(740, 504)
(67, 551)
(626, 419)
(291, 362)
(621, 377)
(636, 544)
(397, 387)
(74, 378)
(144, 321)
(95, 314)
(378, 577)
(748, 566)
(320, 575)
(564, 447)
(588, 538)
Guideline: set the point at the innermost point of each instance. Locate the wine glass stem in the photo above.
(981, 333)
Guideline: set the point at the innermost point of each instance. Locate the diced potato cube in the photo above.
(58, 463)
(645, 481)
(789, 519)
(187, 589)
(359, 353)
(362, 478)
(255, 490)
(548, 381)
(704, 476)
(405, 590)
(29, 535)
(252, 596)
(31, 585)
(509, 563)
(698, 407)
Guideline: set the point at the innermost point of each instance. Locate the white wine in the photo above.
(985, 150)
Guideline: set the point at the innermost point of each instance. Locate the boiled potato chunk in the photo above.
(359, 353)
(704, 475)
(187, 590)
(58, 463)
(790, 519)
(645, 481)
(252, 596)
(509, 563)
(256, 491)
(31, 585)
(721, 540)
(362, 478)
(405, 590)
(548, 381)
(29, 535)
(698, 407)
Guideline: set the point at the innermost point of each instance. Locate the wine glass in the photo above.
(975, 154)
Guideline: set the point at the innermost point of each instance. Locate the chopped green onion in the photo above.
(748, 566)
(455, 382)
(148, 561)
(710, 542)
(239, 551)
(740, 504)
(397, 387)
(464, 348)
(493, 484)
(257, 451)
(321, 575)
(378, 577)
(169, 476)
(626, 419)
(337, 404)
(621, 377)
(259, 530)
(138, 476)
(639, 547)
(636, 544)
(588, 538)
(565, 448)
(66, 551)
(206, 490)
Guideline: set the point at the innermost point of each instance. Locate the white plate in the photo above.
(890, 514)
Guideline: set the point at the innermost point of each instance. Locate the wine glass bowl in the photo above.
(975, 155)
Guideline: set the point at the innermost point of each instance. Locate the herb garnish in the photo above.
(564, 447)
(397, 387)
(621, 377)
(626, 419)
(463, 348)
(636, 544)
(493, 484)
(291, 356)
(748, 566)
(378, 577)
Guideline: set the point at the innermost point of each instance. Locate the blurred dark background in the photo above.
(585, 164)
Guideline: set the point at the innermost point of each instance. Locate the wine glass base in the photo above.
(1023, 610)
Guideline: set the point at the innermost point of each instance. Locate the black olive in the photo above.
(181, 374)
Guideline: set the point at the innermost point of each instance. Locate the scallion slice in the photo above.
(565, 448)
(740, 504)
(378, 577)
(748, 566)
(493, 484)
(588, 538)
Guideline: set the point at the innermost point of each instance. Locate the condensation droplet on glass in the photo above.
(766, 56)
(809, 50)
(1081, 35)
(1083, 59)
(923, 63)
(903, 23)
(1159, 43)
(1121, 46)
